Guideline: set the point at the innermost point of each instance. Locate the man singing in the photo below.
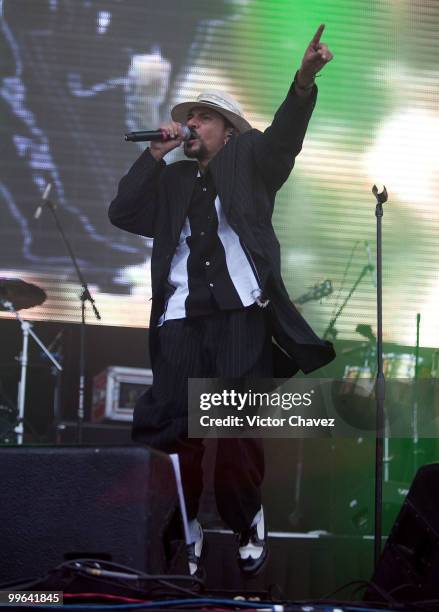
(219, 306)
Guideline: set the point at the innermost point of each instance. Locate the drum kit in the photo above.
(412, 399)
(16, 295)
(359, 379)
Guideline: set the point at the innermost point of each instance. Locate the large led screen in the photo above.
(77, 74)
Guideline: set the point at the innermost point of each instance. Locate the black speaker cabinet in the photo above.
(59, 503)
(99, 434)
(408, 569)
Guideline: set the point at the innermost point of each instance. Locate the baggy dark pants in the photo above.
(228, 344)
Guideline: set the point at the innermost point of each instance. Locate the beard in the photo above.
(199, 153)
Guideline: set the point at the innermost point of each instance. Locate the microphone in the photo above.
(158, 135)
(44, 200)
(370, 264)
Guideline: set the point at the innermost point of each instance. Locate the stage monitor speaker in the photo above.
(61, 503)
(408, 569)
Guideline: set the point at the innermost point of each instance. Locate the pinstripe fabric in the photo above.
(230, 344)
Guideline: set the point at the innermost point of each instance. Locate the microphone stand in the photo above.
(380, 381)
(85, 297)
(415, 423)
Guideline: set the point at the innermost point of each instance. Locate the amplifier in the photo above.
(115, 392)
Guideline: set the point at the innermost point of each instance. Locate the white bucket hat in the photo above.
(219, 101)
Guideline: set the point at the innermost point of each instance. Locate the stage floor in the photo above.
(301, 566)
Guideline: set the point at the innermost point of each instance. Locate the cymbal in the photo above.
(21, 294)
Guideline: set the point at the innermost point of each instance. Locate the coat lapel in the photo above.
(222, 168)
(180, 193)
(232, 191)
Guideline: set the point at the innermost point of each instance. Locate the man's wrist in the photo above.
(157, 154)
(304, 82)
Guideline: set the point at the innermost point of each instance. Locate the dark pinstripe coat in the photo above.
(153, 200)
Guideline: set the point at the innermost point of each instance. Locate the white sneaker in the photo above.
(195, 550)
(253, 547)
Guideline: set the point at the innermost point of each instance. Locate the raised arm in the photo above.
(281, 142)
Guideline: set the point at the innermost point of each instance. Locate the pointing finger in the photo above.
(316, 38)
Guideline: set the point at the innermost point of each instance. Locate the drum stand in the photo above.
(26, 330)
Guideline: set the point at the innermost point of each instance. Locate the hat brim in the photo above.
(180, 112)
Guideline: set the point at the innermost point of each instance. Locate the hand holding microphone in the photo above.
(173, 134)
(168, 137)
